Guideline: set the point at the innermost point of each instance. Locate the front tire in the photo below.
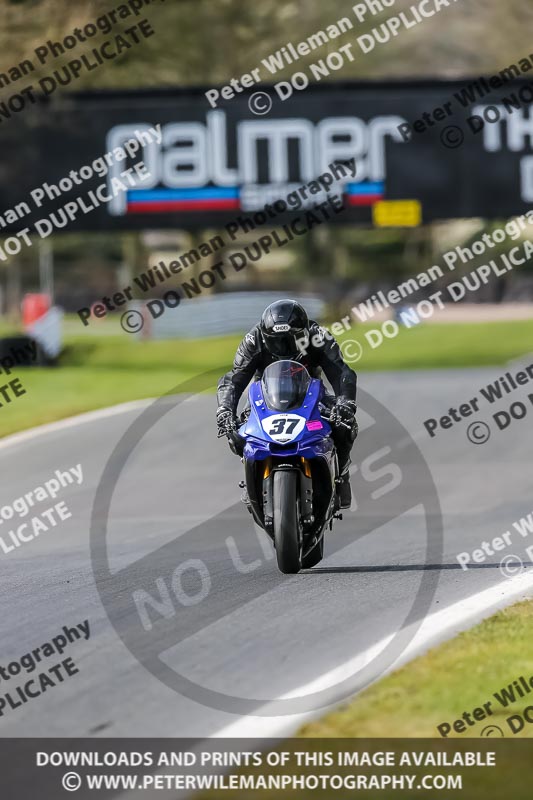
(286, 521)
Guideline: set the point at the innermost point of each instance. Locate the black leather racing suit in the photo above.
(252, 358)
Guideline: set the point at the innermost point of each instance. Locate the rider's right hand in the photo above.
(226, 421)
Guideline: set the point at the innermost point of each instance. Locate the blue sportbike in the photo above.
(290, 461)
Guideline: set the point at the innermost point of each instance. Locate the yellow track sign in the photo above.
(397, 213)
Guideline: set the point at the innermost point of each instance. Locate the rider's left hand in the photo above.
(343, 414)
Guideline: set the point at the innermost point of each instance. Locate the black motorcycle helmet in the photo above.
(283, 324)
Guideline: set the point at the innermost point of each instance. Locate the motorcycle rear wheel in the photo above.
(286, 521)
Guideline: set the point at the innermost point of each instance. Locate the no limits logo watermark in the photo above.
(220, 569)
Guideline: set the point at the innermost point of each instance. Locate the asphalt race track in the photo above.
(230, 633)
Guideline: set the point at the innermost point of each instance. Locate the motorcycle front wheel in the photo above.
(285, 501)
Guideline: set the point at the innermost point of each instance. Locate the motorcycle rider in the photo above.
(286, 332)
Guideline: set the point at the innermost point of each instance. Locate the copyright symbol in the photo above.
(71, 781)
(511, 566)
(351, 350)
(452, 137)
(132, 321)
(492, 730)
(260, 103)
(478, 432)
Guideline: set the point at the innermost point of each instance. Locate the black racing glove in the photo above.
(226, 422)
(343, 415)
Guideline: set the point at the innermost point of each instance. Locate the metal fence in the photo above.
(218, 314)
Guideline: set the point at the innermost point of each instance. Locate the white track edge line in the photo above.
(70, 422)
(453, 620)
(436, 627)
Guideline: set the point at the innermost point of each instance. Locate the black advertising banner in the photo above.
(205, 165)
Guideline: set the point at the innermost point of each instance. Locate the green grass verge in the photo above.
(101, 370)
(474, 344)
(439, 687)
(98, 372)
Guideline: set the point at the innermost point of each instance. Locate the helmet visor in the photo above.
(284, 345)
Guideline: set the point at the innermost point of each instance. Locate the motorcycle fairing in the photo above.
(266, 435)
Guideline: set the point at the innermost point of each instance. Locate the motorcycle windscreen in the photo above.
(284, 385)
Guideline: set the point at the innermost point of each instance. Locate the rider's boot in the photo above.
(344, 488)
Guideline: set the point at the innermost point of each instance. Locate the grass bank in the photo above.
(460, 675)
